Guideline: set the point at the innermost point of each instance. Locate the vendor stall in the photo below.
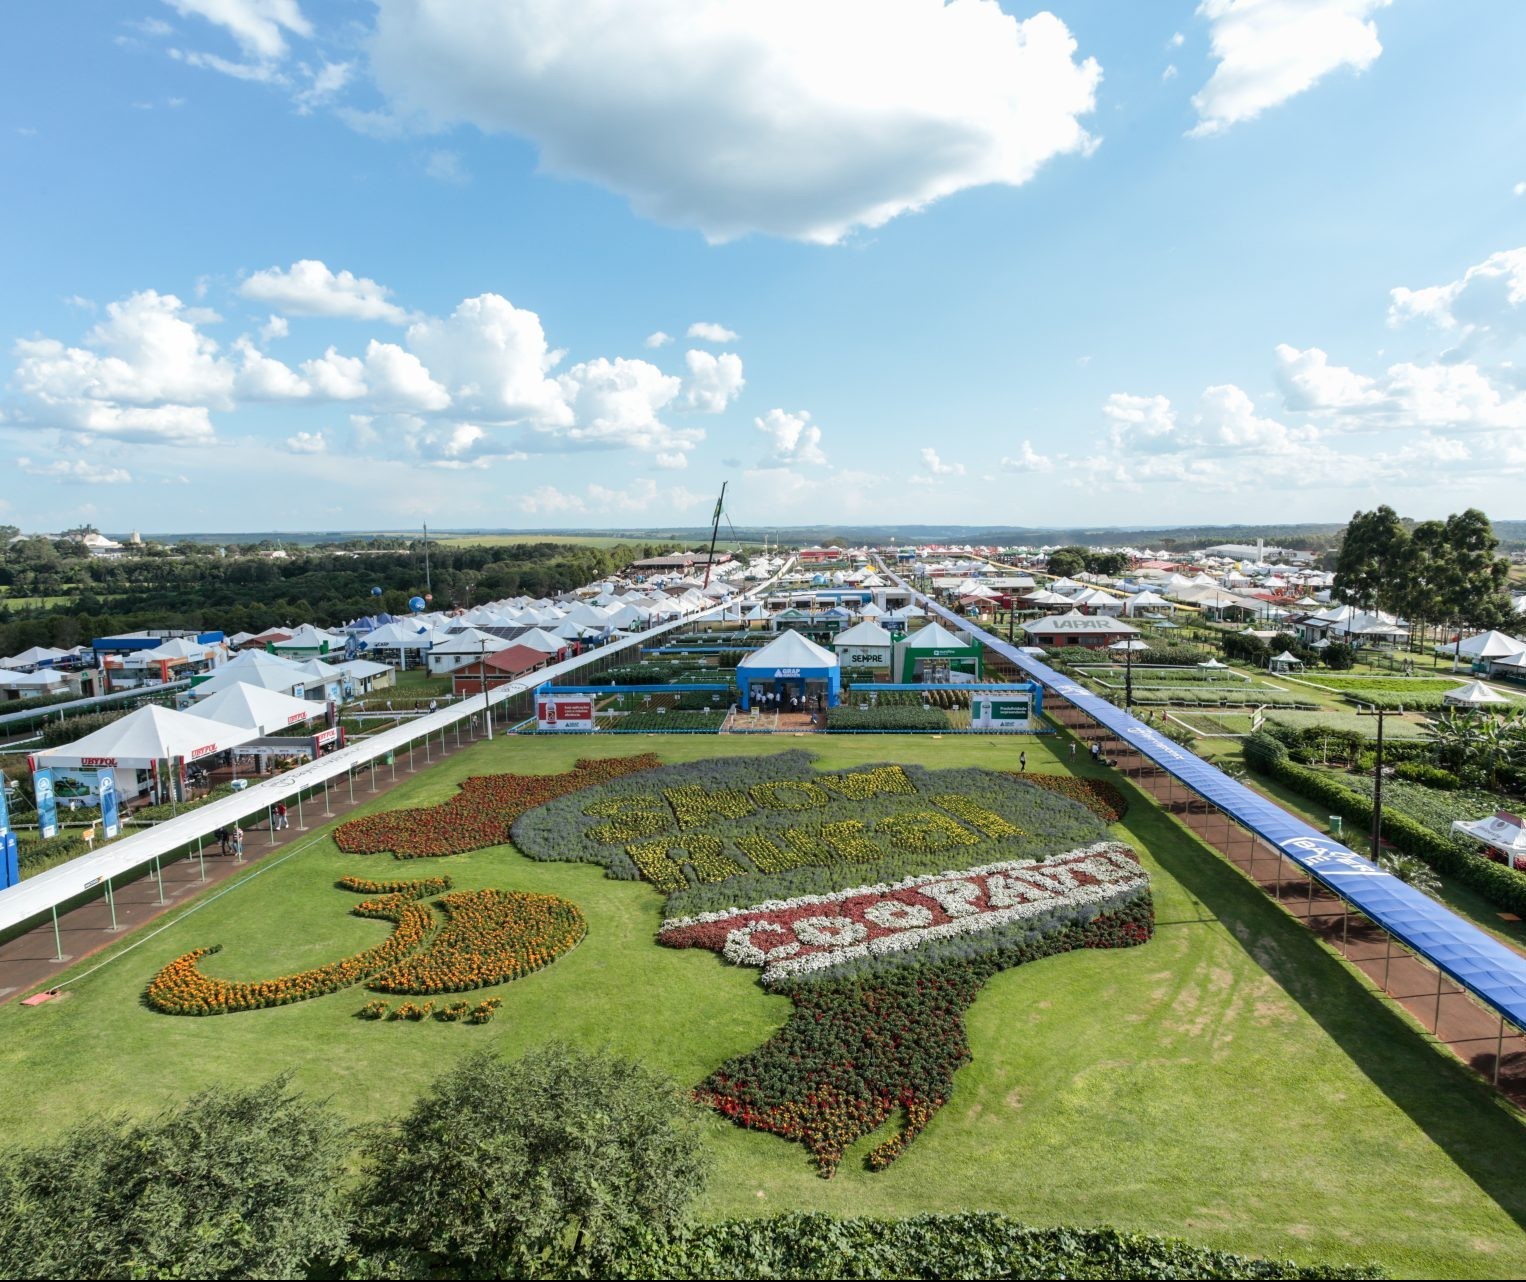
(792, 666)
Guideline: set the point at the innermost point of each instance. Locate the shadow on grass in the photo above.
(1478, 1129)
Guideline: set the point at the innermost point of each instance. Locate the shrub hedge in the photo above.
(970, 1245)
(1501, 886)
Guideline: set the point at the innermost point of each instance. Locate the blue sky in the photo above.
(282, 264)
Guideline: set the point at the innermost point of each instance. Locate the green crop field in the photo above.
(1229, 1081)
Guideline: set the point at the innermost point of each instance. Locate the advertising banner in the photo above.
(5, 811)
(1000, 712)
(10, 862)
(564, 712)
(47, 804)
(106, 790)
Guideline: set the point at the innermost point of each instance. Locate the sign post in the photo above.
(47, 803)
(106, 789)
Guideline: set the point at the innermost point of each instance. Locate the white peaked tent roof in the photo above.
(176, 648)
(308, 637)
(569, 629)
(1473, 695)
(1147, 598)
(360, 669)
(537, 639)
(469, 641)
(1486, 645)
(318, 668)
(1045, 597)
(255, 708)
(1212, 663)
(149, 734)
(238, 638)
(1502, 830)
(1096, 596)
(866, 633)
(37, 654)
(757, 612)
(249, 659)
(397, 636)
(790, 650)
(934, 636)
(1065, 585)
(30, 680)
(871, 611)
(1286, 656)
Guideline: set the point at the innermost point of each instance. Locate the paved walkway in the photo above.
(31, 960)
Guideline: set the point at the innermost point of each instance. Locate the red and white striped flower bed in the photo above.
(795, 937)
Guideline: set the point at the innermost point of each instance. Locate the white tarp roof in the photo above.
(177, 649)
(790, 650)
(934, 636)
(255, 708)
(1502, 830)
(37, 654)
(865, 633)
(318, 668)
(360, 669)
(30, 680)
(146, 735)
(1486, 645)
(1474, 694)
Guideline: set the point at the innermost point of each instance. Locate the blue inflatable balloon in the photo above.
(375, 591)
(416, 603)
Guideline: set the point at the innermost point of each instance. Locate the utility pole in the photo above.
(1377, 794)
(487, 707)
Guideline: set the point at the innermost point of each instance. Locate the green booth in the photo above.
(932, 652)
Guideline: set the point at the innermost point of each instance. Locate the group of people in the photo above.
(230, 841)
(777, 701)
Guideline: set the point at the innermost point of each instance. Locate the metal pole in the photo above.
(410, 756)
(111, 902)
(159, 875)
(301, 826)
(327, 813)
(1437, 1028)
(350, 778)
(1377, 795)
(1388, 955)
(58, 948)
(202, 859)
(1499, 1042)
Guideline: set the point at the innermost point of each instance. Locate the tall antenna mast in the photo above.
(715, 529)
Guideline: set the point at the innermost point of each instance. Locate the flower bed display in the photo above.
(878, 899)
(489, 937)
(1102, 798)
(479, 815)
(182, 989)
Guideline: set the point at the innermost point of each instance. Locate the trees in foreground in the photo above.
(562, 1164)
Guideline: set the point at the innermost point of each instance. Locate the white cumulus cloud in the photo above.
(1488, 301)
(796, 118)
(1028, 460)
(793, 440)
(1140, 422)
(307, 443)
(658, 339)
(1270, 50)
(493, 358)
(714, 381)
(259, 26)
(76, 471)
(937, 467)
(710, 332)
(309, 288)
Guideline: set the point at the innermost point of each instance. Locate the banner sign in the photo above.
(564, 712)
(994, 712)
(5, 811)
(874, 657)
(798, 936)
(47, 804)
(106, 789)
(325, 737)
(10, 862)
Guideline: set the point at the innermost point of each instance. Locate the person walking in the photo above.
(1072, 749)
(1096, 751)
(1022, 761)
(389, 705)
(434, 704)
(222, 840)
(280, 813)
(238, 842)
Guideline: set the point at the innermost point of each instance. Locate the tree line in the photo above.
(1430, 573)
(250, 594)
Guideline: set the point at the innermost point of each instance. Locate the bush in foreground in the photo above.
(236, 1183)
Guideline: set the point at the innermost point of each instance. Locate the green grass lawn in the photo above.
(1229, 1082)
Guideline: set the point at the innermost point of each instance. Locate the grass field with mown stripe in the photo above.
(1229, 1082)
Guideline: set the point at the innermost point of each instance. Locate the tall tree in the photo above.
(1475, 577)
(1369, 569)
(533, 1168)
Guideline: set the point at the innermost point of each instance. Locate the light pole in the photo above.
(1130, 647)
(487, 708)
(1377, 784)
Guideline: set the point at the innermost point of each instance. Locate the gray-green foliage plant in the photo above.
(236, 1183)
(537, 1167)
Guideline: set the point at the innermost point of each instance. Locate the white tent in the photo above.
(1486, 645)
(1502, 831)
(38, 682)
(256, 708)
(30, 658)
(537, 639)
(176, 650)
(789, 650)
(1287, 661)
(1147, 600)
(147, 735)
(1473, 695)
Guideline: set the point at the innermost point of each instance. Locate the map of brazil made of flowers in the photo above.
(879, 899)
